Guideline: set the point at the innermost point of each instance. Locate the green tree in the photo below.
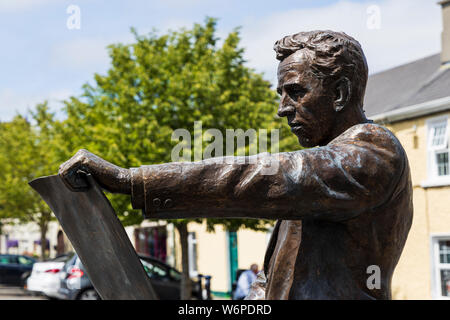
(27, 152)
(162, 83)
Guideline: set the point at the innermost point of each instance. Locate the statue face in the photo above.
(305, 102)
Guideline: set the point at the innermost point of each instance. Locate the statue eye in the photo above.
(296, 91)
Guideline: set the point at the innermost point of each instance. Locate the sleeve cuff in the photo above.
(137, 189)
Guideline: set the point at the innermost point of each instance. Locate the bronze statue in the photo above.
(342, 206)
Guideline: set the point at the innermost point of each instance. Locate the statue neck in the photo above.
(346, 120)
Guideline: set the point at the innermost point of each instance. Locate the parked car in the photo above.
(14, 269)
(75, 284)
(45, 278)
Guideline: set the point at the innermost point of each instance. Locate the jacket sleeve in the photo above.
(354, 173)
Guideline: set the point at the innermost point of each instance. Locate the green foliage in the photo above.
(26, 152)
(162, 83)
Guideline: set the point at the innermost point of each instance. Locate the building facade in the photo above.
(423, 271)
(26, 239)
(413, 101)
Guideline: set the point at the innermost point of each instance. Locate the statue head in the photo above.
(322, 78)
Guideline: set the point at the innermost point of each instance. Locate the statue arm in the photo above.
(335, 182)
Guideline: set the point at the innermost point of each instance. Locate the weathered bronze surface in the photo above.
(341, 207)
(99, 239)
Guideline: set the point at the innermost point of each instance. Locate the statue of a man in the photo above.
(344, 208)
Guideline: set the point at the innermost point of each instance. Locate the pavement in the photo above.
(17, 293)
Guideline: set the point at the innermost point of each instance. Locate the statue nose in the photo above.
(285, 110)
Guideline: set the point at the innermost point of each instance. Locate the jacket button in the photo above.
(156, 202)
(168, 203)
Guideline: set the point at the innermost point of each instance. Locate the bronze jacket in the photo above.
(342, 209)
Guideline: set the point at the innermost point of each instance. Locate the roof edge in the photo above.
(413, 111)
(404, 64)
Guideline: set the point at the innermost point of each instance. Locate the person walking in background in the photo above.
(245, 281)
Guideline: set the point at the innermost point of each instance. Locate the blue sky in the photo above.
(41, 59)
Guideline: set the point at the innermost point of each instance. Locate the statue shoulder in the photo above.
(371, 133)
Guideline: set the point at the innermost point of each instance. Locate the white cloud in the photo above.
(83, 53)
(86, 53)
(409, 30)
(91, 54)
(13, 102)
(182, 3)
(19, 5)
(176, 24)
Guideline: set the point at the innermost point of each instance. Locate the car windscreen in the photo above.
(25, 261)
(154, 270)
(174, 274)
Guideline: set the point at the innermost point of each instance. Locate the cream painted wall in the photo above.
(412, 278)
(212, 255)
(251, 248)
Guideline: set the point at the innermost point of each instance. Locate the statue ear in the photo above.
(343, 93)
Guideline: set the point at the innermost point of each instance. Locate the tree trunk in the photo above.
(186, 289)
(43, 228)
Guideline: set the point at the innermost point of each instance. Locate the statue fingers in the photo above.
(73, 174)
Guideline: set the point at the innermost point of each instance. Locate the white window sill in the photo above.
(436, 182)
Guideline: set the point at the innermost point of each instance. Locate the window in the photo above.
(442, 163)
(438, 159)
(192, 249)
(441, 267)
(438, 135)
(152, 241)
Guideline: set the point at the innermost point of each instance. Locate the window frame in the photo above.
(433, 124)
(437, 266)
(193, 254)
(433, 179)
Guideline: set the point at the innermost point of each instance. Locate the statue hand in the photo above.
(72, 171)
(109, 176)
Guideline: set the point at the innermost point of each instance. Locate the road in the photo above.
(16, 293)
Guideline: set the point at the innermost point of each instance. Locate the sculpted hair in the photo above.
(331, 55)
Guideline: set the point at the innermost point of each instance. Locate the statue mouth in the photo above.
(297, 127)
